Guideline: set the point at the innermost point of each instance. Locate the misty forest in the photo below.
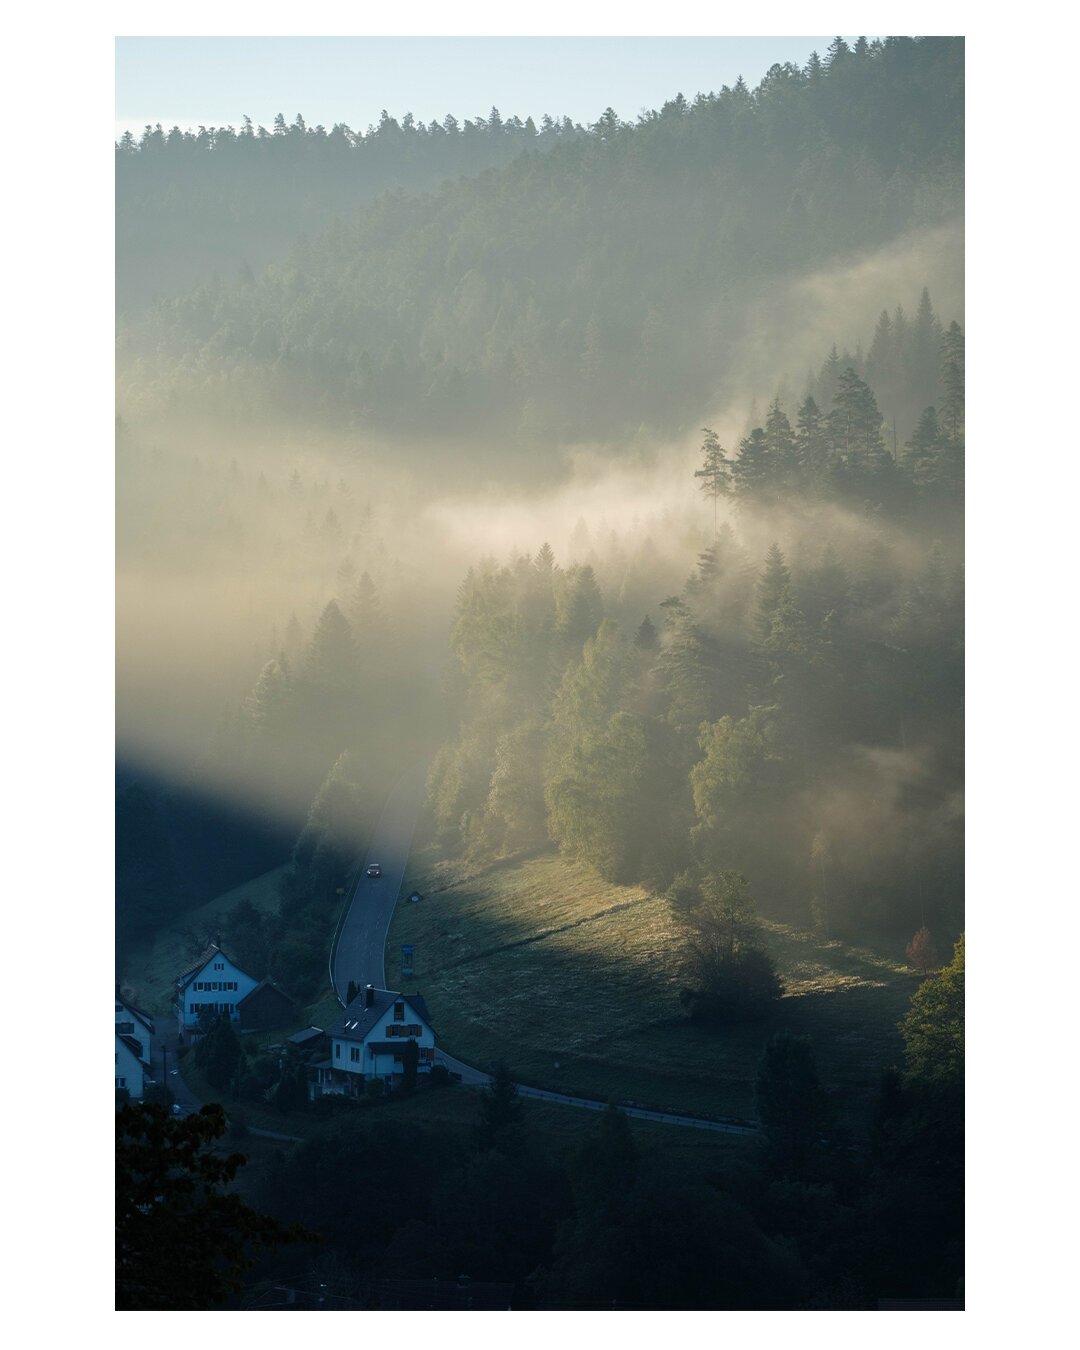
(608, 480)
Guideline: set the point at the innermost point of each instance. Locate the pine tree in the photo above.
(780, 442)
(811, 446)
(582, 606)
(855, 421)
(365, 610)
(544, 562)
(952, 380)
(829, 377)
(715, 471)
(924, 448)
(882, 361)
(774, 587)
(925, 357)
(754, 472)
(792, 1107)
(330, 659)
(268, 704)
(501, 1113)
(645, 639)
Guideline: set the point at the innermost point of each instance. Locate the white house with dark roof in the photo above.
(132, 1021)
(131, 1066)
(368, 1039)
(214, 984)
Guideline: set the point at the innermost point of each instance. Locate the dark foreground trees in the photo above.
(183, 1241)
(792, 1105)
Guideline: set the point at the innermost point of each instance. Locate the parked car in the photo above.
(374, 870)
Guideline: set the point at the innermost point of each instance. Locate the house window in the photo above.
(219, 965)
(191, 1007)
(399, 1012)
(121, 1082)
(126, 1028)
(354, 1054)
(337, 1049)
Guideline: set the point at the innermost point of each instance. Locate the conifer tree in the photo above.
(501, 1114)
(754, 471)
(924, 448)
(715, 471)
(329, 661)
(792, 1107)
(267, 705)
(645, 639)
(582, 606)
(952, 380)
(855, 421)
(811, 445)
(774, 587)
(925, 357)
(780, 442)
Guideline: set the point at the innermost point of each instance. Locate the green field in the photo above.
(152, 970)
(574, 983)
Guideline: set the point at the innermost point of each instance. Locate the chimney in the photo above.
(369, 995)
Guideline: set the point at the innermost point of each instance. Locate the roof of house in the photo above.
(191, 971)
(357, 1021)
(263, 984)
(134, 1046)
(211, 951)
(305, 1037)
(143, 1017)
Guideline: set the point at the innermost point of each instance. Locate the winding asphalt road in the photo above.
(359, 954)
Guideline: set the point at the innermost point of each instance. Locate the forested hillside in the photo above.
(221, 201)
(574, 294)
(793, 714)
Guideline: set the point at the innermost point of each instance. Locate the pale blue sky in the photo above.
(216, 80)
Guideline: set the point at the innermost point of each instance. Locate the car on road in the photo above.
(374, 870)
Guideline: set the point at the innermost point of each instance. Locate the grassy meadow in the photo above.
(574, 983)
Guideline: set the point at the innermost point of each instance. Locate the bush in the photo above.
(439, 1076)
(158, 1094)
(743, 986)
